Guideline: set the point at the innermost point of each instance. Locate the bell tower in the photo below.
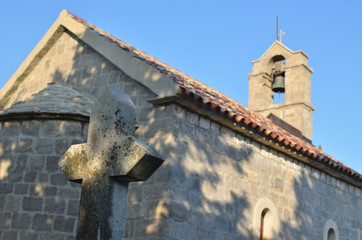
(280, 71)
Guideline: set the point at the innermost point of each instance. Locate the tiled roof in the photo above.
(231, 109)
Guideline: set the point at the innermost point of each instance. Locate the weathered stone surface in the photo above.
(52, 163)
(36, 162)
(21, 221)
(50, 128)
(5, 220)
(61, 145)
(73, 207)
(11, 235)
(54, 205)
(6, 188)
(64, 224)
(13, 203)
(32, 204)
(24, 145)
(42, 222)
(31, 128)
(111, 151)
(10, 128)
(52, 236)
(69, 193)
(58, 179)
(30, 176)
(44, 145)
(28, 235)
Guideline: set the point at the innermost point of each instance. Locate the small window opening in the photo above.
(331, 234)
(266, 225)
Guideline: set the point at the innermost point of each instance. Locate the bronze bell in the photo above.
(278, 84)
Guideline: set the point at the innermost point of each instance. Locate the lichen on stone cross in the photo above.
(105, 165)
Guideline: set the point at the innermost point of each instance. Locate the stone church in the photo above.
(230, 171)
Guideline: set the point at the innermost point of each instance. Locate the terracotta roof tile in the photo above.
(237, 112)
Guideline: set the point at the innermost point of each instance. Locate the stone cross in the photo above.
(105, 165)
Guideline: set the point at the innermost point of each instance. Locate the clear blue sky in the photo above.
(215, 42)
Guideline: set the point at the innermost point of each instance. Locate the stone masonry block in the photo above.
(61, 145)
(21, 221)
(21, 162)
(44, 145)
(28, 235)
(10, 128)
(72, 129)
(15, 176)
(73, 207)
(42, 222)
(204, 123)
(5, 146)
(30, 176)
(279, 184)
(42, 191)
(24, 145)
(205, 138)
(54, 205)
(13, 203)
(11, 235)
(153, 191)
(177, 211)
(36, 162)
(52, 236)
(5, 220)
(43, 177)
(69, 193)
(135, 195)
(64, 224)
(50, 128)
(192, 118)
(6, 188)
(30, 128)
(32, 204)
(21, 188)
(58, 179)
(52, 163)
(215, 128)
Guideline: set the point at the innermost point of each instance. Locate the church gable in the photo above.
(69, 61)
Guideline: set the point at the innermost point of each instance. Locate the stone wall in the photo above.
(219, 182)
(36, 201)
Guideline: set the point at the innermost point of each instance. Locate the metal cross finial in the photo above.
(277, 35)
(280, 34)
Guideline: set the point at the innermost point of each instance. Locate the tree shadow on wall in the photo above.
(203, 196)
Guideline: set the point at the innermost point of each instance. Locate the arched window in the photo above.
(331, 234)
(265, 220)
(266, 225)
(330, 230)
